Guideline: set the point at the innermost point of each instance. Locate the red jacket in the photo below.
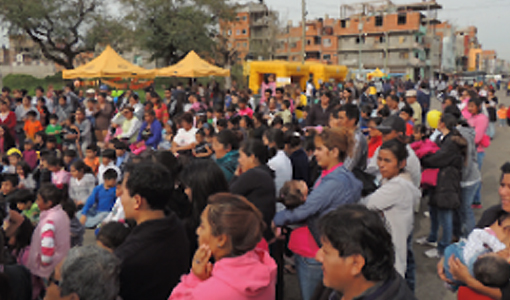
(10, 122)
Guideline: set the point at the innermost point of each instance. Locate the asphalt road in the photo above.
(428, 284)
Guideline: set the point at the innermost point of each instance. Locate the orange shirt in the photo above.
(31, 128)
(502, 113)
(93, 164)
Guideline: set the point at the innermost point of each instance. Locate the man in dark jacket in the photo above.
(156, 253)
(319, 113)
(357, 257)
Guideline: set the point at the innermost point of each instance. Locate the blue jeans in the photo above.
(93, 218)
(411, 265)
(478, 196)
(466, 214)
(309, 272)
(443, 218)
(455, 250)
(491, 129)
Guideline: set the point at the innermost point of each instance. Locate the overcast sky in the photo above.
(490, 16)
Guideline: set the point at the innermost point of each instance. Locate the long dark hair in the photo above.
(204, 178)
(8, 139)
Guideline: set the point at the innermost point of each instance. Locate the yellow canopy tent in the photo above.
(107, 65)
(376, 74)
(297, 72)
(192, 66)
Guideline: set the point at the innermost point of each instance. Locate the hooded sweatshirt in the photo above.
(228, 163)
(470, 172)
(396, 199)
(251, 276)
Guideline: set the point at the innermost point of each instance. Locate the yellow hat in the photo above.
(14, 150)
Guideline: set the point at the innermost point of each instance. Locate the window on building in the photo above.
(383, 55)
(308, 42)
(244, 18)
(244, 31)
(317, 40)
(326, 42)
(229, 33)
(417, 54)
(238, 31)
(357, 40)
(382, 39)
(417, 39)
(346, 56)
(402, 19)
(343, 23)
(293, 45)
(379, 21)
(326, 57)
(245, 45)
(237, 19)
(403, 55)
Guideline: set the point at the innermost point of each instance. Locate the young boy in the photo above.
(32, 125)
(29, 154)
(285, 113)
(108, 158)
(91, 158)
(54, 129)
(366, 112)
(406, 113)
(101, 201)
(51, 146)
(39, 141)
(70, 157)
(51, 238)
(502, 115)
(25, 201)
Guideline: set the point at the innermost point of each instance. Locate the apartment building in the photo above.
(400, 38)
(253, 32)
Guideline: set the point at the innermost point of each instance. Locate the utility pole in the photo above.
(303, 25)
(360, 28)
(387, 40)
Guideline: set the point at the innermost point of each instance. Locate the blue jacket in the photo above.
(335, 189)
(102, 197)
(228, 163)
(156, 129)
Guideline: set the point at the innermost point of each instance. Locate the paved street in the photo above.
(428, 284)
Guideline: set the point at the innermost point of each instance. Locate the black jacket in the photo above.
(449, 160)
(257, 185)
(393, 289)
(154, 256)
(318, 116)
(299, 160)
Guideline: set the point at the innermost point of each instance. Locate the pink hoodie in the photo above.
(479, 122)
(251, 276)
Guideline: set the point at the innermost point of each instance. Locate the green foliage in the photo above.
(58, 27)
(171, 28)
(28, 82)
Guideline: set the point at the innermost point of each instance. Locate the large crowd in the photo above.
(204, 193)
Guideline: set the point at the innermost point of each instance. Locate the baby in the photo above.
(301, 242)
(485, 253)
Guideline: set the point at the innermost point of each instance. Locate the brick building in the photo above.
(253, 32)
(371, 35)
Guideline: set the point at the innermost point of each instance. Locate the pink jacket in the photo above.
(251, 276)
(479, 122)
(62, 241)
(423, 148)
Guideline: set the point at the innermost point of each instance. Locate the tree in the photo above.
(171, 28)
(58, 27)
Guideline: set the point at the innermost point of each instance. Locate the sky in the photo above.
(489, 16)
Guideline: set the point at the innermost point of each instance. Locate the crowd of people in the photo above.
(208, 194)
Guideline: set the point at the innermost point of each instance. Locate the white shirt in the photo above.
(185, 138)
(282, 167)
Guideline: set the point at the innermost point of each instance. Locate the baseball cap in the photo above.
(411, 93)
(103, 87)
(392, 123)
(91, 91)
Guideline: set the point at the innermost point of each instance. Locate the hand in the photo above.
(459, 271)
(83, 219)
(440, 271)
(238, 171)
(201, 266)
